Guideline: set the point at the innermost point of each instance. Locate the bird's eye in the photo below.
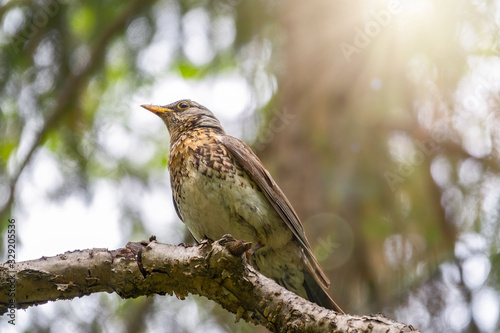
(183, 105)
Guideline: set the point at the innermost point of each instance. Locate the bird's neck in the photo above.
(180, 128)
(178, 139)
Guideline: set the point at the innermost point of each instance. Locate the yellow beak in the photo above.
(156, 109)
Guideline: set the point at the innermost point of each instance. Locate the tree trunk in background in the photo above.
(332, 156)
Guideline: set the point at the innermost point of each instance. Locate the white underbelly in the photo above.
(212, 207)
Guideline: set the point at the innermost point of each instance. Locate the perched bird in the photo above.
(220, 187)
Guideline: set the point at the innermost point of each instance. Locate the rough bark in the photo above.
(217, 271)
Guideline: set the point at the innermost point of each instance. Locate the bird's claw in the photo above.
(252, 250)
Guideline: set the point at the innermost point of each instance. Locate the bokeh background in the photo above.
(379, 120)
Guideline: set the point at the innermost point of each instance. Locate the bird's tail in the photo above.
(296, 273)
(317, 294)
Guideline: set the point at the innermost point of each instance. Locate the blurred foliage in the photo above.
(378, 119)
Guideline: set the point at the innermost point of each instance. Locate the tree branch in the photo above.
(217, 271)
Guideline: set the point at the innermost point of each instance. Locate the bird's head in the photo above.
(185, 115)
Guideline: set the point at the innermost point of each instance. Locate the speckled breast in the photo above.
(215, 196)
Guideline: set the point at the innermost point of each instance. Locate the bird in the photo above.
(220, 187)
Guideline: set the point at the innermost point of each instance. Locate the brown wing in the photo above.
(251, 163)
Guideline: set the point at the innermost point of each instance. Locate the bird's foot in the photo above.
(250, 252)
(235, 246)
(205, 242)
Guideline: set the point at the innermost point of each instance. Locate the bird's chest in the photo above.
(215, 196)
(199, 166)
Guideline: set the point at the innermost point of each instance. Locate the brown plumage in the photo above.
(220, 187)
